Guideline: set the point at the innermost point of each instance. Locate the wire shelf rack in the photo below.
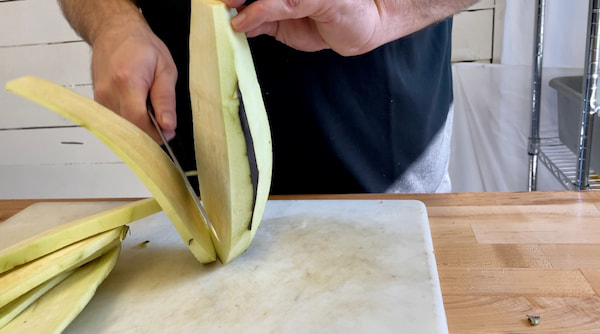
(562, 163)
(572, 170)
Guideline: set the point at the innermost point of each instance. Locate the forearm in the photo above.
(90, 18)
(403, 17)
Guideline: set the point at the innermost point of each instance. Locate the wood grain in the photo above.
(593, 277)
(452, 231)
(515, 282)
(502, 314)
(572, 256)
(473, 255)
(564, 224)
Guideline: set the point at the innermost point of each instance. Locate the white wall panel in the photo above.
(33, 22)
(73, 145)
(62, 163)
(472, 35)
(66, 64)
(482, 4)
(16, 112)
(102, 180)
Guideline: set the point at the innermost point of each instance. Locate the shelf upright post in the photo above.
(590, 103)
(534, 139)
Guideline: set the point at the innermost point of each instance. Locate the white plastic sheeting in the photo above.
(492, 123)
(564, 35)
(492, 115)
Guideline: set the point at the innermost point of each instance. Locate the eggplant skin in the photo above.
(232, 138)
(140, 152)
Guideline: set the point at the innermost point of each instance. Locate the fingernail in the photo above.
(238, 20)
(169, 120)
(169, 135)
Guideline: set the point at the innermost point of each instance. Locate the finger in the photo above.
(267, 28)
(234, 3)
(300, 34)
(162, 97)
(133, 108)
(263, 11)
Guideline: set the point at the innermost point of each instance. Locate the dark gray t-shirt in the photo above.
(339, 124)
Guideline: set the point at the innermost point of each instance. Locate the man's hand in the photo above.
(346, 26)
(129, 62)
(129, 65)
(349, 27)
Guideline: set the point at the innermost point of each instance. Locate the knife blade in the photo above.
(182, 173)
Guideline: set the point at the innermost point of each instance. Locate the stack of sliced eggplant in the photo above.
(64, 265)
(48, 277)
(45, 294)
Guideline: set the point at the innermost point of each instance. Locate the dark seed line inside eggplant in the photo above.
(251, 155)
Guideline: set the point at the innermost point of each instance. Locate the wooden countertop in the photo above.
(503, 256)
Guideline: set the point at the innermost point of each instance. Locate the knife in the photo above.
(181, 171)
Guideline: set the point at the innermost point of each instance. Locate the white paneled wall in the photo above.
(477, 32)
(43, 155)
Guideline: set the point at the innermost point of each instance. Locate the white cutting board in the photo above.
(315, 266)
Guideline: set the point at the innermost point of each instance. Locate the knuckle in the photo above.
(139, 120)
(123, 78)
(170, 71)
(102, 94)
(292, 4)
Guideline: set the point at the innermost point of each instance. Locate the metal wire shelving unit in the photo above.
(572, 170)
